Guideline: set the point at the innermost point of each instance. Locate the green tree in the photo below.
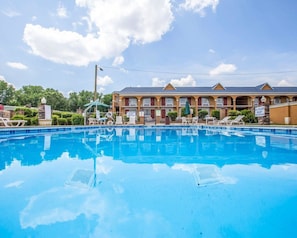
(84, 97)
(73, 102)
(107, 99)
(56, 99)
(29, 95)
(7, 93)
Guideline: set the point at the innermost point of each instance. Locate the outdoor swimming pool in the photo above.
(148, 182)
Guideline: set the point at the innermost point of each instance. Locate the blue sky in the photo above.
(56, 44)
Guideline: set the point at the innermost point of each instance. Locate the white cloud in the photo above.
(17, 65)
(156, 82)
(223, 68)
(104, 81)
(62, 11)
(284, 83)
(115, 25)
(199, 6)
(212, 51)
(63, 47)
(10, 13)
(183, 82)
(118, 61)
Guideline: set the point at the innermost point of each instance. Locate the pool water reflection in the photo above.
(149, 182)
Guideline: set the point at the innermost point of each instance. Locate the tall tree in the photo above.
(107, 99)
(29, 95)
(56, 99)
(84, 98)
(7, 92)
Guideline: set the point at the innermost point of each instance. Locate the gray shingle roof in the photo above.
(209, 90)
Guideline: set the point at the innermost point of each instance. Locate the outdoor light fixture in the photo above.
(263, 99)
(43, 100)
(95, 89)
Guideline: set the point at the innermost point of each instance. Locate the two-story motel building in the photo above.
(161, 100)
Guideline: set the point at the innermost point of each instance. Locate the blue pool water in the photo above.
(148, 182)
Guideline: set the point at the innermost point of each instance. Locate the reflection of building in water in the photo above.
(152, 145)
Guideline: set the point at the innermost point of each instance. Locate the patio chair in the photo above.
(184, 121)
(224, 121)
(132, 120)
(119, 120)
(238, 120)
(195, 120)
(11, 123)
(100, 120)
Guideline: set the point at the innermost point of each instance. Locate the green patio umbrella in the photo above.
(187, 108)
(96, 103)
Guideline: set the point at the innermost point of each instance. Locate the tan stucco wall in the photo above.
(279, 112)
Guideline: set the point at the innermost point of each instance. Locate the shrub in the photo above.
(216, 114)
(202, 114)
(66, 114)
(62, 121)
(28, 112)
(33, 121)
(55, 119)
(249, 116)
(233, 113)
(172, 115)
(77, 119)
(57, 113)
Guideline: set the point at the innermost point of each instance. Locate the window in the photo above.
(169, 102)
(146, 102)
(277, 100)
(256, 102)
(132, 102)
(220, 102)
(182, 102)
(205, 102)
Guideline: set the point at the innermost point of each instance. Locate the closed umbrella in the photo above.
(187, 108)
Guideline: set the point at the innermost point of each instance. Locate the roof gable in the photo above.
(169, 87)
(265, 86)
(218, 86)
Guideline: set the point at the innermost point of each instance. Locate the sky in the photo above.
(59, 44)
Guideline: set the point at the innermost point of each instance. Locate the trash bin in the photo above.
(167, 120)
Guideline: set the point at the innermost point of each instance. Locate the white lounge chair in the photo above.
(224, 121)
(184, 121)
(100, 120)
(195, 120)
(119, 120)
(11, 123)
(132, 120)
(238, 120)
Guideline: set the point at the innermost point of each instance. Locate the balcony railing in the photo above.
(132, 105)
